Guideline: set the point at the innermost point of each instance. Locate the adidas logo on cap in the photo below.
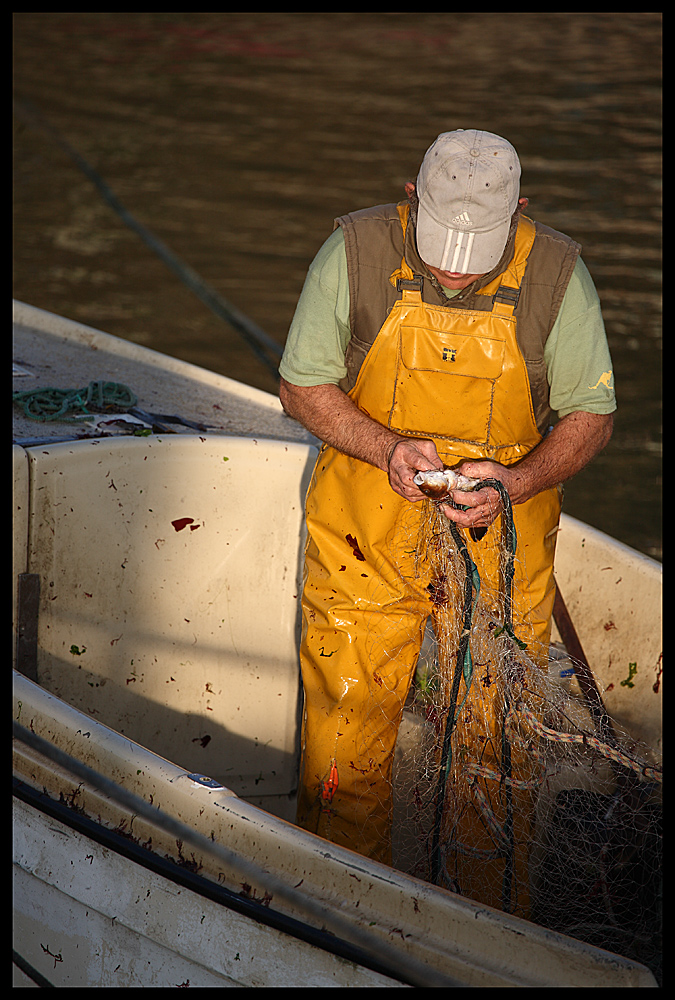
(462, 220)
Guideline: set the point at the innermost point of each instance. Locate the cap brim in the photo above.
(457, 250)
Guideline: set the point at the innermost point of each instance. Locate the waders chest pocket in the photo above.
(445, 383)
(451, 354)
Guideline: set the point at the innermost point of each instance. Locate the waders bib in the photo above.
(458, 377)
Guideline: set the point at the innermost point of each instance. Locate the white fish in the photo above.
(438, 483)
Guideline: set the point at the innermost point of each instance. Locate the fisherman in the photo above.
(443, 331)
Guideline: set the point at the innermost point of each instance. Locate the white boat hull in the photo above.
(169, 570)
(86, 914)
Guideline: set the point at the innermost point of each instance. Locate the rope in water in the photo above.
(260, 342)
(75, 404)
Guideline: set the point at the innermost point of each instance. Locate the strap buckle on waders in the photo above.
(509, 296)
(414, 284)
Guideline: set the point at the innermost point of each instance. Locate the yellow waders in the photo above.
(458, 377)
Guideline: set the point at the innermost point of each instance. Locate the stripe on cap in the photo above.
(455, 240)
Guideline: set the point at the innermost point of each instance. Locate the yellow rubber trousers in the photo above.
(456, 376)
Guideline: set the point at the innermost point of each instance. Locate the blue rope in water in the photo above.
(256, 338)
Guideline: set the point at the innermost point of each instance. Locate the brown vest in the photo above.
(374, 247)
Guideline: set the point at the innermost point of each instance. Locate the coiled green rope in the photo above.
(75, 404)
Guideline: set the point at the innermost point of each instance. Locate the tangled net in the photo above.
(509, 788)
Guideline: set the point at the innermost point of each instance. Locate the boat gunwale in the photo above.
(53, 325)
(499, 927)
(173, 871)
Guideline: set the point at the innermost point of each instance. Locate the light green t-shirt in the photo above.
(578, 362)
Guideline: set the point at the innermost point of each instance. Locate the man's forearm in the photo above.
(332, 416)
(570, 446)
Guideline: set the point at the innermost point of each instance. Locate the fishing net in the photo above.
(511, 786)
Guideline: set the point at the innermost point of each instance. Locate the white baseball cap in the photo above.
(468, 187)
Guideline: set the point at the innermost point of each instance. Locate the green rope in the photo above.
(70, 405)
(464, 668)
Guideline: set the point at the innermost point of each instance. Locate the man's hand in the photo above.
(570, 446)
(333, 416)
(408, 456)
(484, 505)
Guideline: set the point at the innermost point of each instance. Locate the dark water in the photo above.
(237, 138)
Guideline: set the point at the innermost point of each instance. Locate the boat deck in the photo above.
(45, 347)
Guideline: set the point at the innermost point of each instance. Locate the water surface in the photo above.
(237, 138)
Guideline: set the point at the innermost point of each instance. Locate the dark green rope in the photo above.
(75, 404)
(463, 660)
(463, 668)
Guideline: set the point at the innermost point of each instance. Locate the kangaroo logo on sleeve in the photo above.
(604, 380)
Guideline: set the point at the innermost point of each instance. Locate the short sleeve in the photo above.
(319, 333)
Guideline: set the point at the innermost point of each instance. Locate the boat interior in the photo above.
(169, 595)
(169, 575)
